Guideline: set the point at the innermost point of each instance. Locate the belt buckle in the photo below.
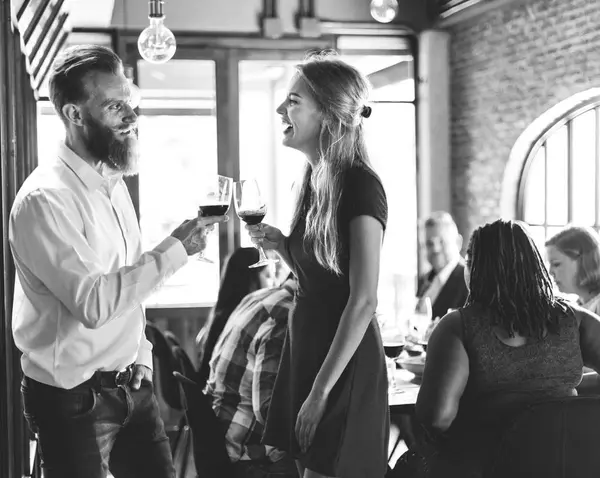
(123, 378)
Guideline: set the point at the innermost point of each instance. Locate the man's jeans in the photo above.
(85, 431)
(284, 468)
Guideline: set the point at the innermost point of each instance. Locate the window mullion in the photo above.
(570, 184)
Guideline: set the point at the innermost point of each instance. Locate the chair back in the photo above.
(208, 436)
(554, 439)
(165, 364)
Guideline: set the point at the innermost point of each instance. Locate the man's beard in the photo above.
(102, 142)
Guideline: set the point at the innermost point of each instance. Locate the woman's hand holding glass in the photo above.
(269, 237)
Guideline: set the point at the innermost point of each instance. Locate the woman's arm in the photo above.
(366, 234)
(589, 342)
(589, 337)
(271, 238)
(283, 252)
(445, 376)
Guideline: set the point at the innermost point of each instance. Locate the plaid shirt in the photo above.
(243, 368)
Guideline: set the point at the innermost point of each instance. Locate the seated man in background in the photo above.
(243, 368)
(444, 284)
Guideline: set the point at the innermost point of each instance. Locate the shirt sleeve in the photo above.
(47, 238)
(270, 344)
(364, 195)
(144, 356)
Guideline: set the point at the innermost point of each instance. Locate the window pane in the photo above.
(535, 189)
(263, 86)
(538, 233)
(557, 177)
(390, 136)
(584, 168)
(178, 139)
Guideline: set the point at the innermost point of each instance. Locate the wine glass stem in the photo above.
(261, 253)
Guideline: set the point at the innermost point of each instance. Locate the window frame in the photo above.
(565, 120)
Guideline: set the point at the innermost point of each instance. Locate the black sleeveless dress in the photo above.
(351, 440)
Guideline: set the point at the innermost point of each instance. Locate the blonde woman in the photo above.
(329, 406)
(574, 257)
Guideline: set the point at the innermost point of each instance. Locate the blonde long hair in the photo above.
(341, 93)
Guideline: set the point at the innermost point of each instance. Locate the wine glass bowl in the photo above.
(393, 348)
(251, 208)
(214, 199)
(252, 218)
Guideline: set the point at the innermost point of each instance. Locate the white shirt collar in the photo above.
(92, 179)
(444, 274)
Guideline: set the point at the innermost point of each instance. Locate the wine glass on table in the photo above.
(251, 208)
(421, 323)
(215, 199)
(392, 347)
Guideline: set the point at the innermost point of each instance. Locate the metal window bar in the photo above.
(597, 166)
(544, 149)
(570, 184)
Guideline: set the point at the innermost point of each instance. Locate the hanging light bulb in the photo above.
(384, 11)
(156, 43)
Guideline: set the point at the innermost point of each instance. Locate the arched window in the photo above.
(560, 177)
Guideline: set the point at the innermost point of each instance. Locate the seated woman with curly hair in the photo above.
(514, 343)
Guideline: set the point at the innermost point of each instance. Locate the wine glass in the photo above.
(421, 319)
(251, 208)
(392, 348)
(215, 199)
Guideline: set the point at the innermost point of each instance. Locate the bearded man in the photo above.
(81, 280)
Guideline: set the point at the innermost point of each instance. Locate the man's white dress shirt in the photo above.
(81, 274)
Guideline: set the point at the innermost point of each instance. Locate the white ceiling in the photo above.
(91, 13)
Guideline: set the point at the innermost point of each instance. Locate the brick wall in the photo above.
(508, 67)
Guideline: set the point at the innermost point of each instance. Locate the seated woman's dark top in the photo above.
(502, 381)
(503, 376)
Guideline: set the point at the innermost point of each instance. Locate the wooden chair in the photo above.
(554, 439)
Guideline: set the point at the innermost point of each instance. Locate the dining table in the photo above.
(402, 394)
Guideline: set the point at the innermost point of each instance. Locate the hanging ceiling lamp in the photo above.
(384, 11)
(156, 43)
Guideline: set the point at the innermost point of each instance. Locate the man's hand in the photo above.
(192, 232)
(140, 373)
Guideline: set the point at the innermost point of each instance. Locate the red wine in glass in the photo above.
(251, 209)
(214, 199)
(393, 349)
(213, 210)
(252, 218)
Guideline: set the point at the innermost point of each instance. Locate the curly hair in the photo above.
(509, 278)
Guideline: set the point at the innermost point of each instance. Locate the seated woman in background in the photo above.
(574, 257)
(512, 344)
(237, 281)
